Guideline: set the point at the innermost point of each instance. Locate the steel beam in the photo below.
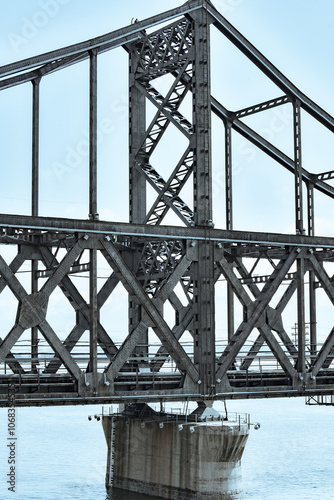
(93, 136)
(298, 169)
(35, 203)
(268, 68)
(102, 43)
(325, 351)
(60, 349)
(268, 148)
(257, 108)
(83, 312)
(139, 333)
(245, 328)
(323, 277)
(177, 264)
(81, 226)
(161, 328)
(312, 291)
(301, 314)
(229, 217)
(94, 316)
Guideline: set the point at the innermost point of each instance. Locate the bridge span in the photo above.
(209, 304)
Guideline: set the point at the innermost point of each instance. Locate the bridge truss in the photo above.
(170, 272)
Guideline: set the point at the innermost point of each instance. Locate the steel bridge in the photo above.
(170, 273)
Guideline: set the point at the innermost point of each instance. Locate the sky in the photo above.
(297, 37)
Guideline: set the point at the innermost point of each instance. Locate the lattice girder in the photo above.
(259, 314)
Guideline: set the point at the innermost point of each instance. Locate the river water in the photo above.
(60, 454)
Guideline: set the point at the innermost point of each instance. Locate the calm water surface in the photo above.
(61, 455)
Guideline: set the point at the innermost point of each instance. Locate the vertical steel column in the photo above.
(93, 136)
(299, 230)
(310, 208)
(202, 123)
(93, 313)
(137, 181)
(301, 314)
(137, 129)
(229, 219)
(312, 291)
(203, 269)
(228, 175)
(34, 205)
(298, 168)
(35, 147)
(92, 367)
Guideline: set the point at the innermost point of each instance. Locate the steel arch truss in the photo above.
(173, 275)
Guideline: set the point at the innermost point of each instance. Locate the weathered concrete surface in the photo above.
(198, 463)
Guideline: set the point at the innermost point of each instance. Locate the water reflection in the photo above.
(116, 494)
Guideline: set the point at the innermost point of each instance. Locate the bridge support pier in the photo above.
(176, 457)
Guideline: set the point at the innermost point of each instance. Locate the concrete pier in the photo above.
(179, 457)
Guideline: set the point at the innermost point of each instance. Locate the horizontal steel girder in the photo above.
(116, 381)
(22, 225)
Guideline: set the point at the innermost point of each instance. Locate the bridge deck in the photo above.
(40, 389)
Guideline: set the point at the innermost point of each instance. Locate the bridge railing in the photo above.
(181, 415)
(148, 360)
(320, 400)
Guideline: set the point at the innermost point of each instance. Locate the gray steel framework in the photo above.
(158, 264)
